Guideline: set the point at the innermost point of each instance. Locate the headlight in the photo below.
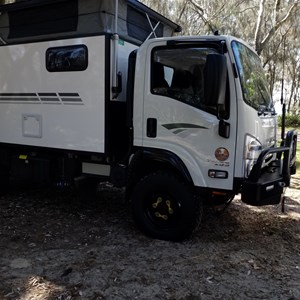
(252, 151)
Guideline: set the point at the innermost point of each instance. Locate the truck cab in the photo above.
(202, 109)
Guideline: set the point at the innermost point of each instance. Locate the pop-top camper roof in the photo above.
(31, 20)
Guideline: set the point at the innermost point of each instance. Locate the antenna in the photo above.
(282, 101)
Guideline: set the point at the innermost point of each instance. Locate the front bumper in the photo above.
(265, 185)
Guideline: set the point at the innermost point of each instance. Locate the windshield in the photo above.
(254, 85)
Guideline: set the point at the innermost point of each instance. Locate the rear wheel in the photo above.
(165, 207)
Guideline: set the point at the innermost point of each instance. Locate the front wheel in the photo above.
(165, 207)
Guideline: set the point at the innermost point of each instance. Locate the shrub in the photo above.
(291, 120)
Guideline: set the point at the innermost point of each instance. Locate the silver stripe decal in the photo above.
(18, 94)
(18, 99)
(71, 100)
(73, 103)
(47, 94)
(50, 99)
(20, 102)
(38, 98)
(68, 94)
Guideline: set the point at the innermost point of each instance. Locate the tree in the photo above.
(266, 24)
(276, 22)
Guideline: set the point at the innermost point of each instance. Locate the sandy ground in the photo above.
(64, 246)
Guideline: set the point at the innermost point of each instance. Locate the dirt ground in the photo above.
(58, 245)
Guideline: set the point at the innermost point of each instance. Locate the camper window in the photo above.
(67, 58)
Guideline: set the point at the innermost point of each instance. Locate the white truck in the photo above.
(102, 88)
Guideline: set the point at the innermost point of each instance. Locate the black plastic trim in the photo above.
(235, 72)
(219, 45)
(130, 87)
(30, 148)
(53, 37)
(258, 170)
(167, 157)
(107, 93)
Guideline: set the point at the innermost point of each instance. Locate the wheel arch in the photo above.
(149, 160)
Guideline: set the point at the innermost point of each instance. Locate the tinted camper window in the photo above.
(68, 58)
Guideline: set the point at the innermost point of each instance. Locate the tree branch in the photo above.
(260, 46)
(200, 11)
(257, 34)
(182, 11)
(276, 10)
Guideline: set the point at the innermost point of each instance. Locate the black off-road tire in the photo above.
(165, 207)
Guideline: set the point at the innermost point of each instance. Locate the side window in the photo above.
(67, 58)
(178, 73)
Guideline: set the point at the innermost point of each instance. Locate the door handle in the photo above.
(151, 127)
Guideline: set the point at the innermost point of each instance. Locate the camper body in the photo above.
(60, 109)
(178, 121)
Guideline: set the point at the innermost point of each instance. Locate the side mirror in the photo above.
(215, 77)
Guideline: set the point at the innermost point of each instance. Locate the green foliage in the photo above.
(298, 160)
(291, 120)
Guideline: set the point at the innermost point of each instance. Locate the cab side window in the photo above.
(177, 73)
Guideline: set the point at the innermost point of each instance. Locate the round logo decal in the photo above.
(221, 154)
